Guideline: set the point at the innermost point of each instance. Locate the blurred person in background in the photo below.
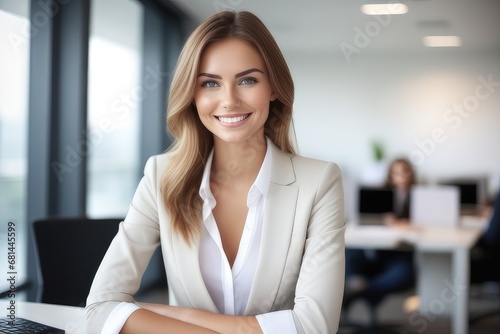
(373, 274)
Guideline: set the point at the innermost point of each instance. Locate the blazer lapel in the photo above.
(187, 259)
(276, 234)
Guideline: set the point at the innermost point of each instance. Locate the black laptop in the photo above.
(25, 326)
(373, 203)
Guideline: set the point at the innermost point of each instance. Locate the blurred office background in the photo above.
(83, 89)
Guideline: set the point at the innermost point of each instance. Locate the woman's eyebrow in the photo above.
(237, 75)
(213, 76)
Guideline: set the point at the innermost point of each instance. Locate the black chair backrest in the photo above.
(69, 253)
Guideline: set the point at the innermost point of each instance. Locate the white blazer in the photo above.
(301, 266)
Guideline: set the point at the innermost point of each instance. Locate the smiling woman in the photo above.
(252, 234)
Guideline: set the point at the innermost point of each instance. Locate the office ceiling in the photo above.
(325, 25)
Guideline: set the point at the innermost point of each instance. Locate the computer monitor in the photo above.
(373, 202)
(472, 192)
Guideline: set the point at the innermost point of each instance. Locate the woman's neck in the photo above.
(238, 163)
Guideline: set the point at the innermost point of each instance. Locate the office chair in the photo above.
(484, 259)
(388, 284)
(69, 253)
(372, 326)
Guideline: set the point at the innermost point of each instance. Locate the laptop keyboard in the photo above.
(24, 326)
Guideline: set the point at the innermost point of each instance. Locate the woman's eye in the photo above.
(209, 84)
(248, 81)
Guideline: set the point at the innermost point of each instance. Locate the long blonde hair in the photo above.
(192, 141)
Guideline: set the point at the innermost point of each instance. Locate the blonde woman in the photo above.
(252, 235)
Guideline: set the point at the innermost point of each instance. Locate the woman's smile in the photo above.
(233, 121)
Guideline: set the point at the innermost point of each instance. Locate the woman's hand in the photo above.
(392, 221)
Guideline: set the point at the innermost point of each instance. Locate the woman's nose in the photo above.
(230, 99)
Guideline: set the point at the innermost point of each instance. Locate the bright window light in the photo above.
(385, 9)
(115, 92)
(442, 41)
(15, 37)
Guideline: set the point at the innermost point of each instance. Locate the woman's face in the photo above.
(232, 92)
(401, 176)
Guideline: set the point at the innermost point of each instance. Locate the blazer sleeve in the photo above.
(320, 285)
(119, 275)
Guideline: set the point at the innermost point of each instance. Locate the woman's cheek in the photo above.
(204, 103)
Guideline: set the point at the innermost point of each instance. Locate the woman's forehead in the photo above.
(231, 55)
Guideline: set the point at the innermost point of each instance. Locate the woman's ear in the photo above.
(273, 96)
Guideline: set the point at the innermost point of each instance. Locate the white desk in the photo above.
(442, 256)
(69, 318)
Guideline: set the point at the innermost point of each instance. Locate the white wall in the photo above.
(401, 100)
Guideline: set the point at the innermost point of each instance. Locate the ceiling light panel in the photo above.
(384, 9)
(442, 41)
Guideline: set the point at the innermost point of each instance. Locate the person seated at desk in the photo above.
(375, 274)
(400, 178)
(239, 216)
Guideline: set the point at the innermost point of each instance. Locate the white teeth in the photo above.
(230, 120)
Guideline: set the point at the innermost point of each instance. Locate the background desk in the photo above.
(442, 257)
(69, 318)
